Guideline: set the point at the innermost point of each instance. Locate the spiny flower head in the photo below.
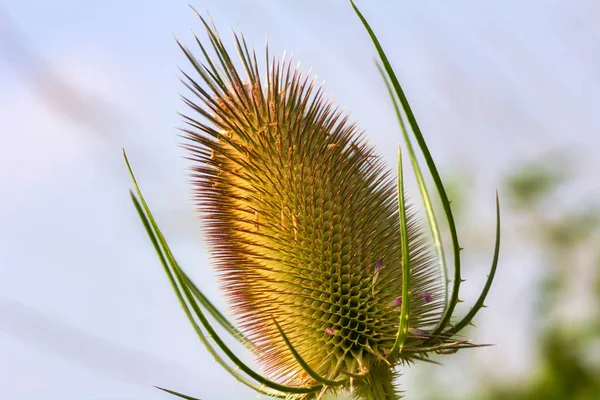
(327, 270)
(301, 218)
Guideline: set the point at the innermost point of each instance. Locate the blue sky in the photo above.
(85, 311)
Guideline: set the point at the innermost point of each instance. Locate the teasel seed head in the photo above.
(297, 209)
(327, 269)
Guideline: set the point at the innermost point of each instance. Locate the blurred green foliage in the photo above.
(567, 366)
(534, 181)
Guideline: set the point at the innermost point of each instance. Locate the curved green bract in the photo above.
(174, 393)
(215, 313)
(431, 218)
(214, 335)
(403, 325)
(161, 247)
(445, 320)
(479, 303)
(311, 372)
(183, 304)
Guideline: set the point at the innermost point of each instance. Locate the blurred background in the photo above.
(507, 94)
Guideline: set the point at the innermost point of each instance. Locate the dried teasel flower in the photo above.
(333, 284)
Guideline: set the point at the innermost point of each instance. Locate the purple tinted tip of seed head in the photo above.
(427, 297)
(397, 301)
(378, 265)
(418, 333)
(330, 331)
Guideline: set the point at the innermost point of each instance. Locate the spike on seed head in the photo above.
(378, 265)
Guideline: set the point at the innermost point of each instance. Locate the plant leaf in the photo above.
(199, 332)
(312, 373)
(405, 308)
(488, 283)
(445, 320)
(174, 393)
(431, 218)
(161, 246)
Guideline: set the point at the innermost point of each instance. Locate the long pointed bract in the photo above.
(155, 242)
(488, 283)
(303, 363)
(428, 205)
(445, 320)
(211, 332)
(405, 308)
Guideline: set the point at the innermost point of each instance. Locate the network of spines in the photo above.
(301, 218)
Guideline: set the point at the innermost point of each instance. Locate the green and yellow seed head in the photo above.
(301, 218)
(331, 277)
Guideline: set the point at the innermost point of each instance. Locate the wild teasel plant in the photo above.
(325, 265)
